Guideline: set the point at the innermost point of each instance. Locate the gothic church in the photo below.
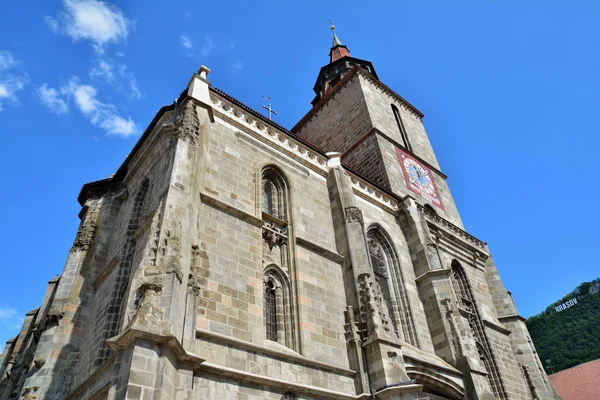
(231, 258)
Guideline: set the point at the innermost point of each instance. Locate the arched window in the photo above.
(116, 306)
(400, 124)
(278, 307)
(275, 193)
(271, 310)
(466, 301)
(461, 287)
(388, 275)
(280, 321)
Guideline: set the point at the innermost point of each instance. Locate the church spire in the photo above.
(338, 49)
(340, 63)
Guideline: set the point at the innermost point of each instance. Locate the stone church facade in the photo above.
(229, 258)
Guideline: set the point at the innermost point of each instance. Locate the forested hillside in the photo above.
(567, 333)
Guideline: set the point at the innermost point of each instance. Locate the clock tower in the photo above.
(379, 135)
(378, 132)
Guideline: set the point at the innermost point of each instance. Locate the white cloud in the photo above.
(6, 60)
(186, 42)
(103, 70)
(207, 47)
(84, 97)
(91, 20)
(52, 99)
(116, 125)
(11, 81)
(117, 75)
(100, 114)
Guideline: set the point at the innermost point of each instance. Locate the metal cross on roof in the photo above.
(268, 107)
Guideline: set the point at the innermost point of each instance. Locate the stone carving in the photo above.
(354, 214)
(147, 310)
(193, 278)
(87, 230)
(53, 318)
(454, 331)
(351, 327)
(373, 310)
(430, 215)
(187, 123)
(171, 250)
(377, 256)
(274, 235)
(151, 256)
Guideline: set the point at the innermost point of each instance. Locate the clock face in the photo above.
(419, 178)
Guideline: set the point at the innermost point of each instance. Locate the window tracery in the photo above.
(389, 278)
(466, 302)
(278, 291)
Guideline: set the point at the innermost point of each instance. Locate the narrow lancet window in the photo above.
(401, 128)
(271, 311)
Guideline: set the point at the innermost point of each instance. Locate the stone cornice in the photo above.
(299, 388)
(290, 356)
(231, 210)
(511, 318)
(432, 273)
(496, 327)
(130, 335)
(322, 251)
(455, 230)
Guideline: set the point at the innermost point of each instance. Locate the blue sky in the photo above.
(510, 91)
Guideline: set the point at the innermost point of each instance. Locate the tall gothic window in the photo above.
(278, 307)
(271, 310)
(277, 290)
(116, 306)
(274, 193)
(401, 128)
(466, 302)
(389, 277)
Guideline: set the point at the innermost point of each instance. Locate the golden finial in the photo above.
(332, 26)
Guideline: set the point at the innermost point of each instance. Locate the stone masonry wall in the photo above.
(340, 121)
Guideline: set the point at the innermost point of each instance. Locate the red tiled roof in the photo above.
(578, 383)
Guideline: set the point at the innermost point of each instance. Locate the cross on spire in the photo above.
(268, 107)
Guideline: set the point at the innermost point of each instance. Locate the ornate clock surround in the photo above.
(419, 178)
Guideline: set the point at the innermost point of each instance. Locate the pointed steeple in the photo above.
(340, 63)
(338, 49)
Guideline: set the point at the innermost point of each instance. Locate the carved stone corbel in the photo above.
(187, 123)
(274, 235)
(354, 214)
(87, 230)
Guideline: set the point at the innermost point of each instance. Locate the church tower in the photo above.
(229, 258)
(474, 323)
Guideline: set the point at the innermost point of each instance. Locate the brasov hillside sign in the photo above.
(565, 305)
